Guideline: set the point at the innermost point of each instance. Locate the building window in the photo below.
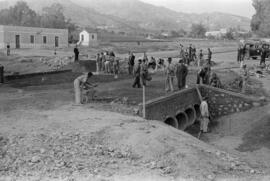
(82, 37)
(93, 37)
(32, 39)
(44, 39)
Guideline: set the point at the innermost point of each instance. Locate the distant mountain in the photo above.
(134, 15)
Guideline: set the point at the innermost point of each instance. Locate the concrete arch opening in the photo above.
(191, 115)
(182, 120)
(171, 122)
(197, 110)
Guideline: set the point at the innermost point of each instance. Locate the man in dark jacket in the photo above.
(204, 74)
(190, 49)
(131, 62)
(76, 53)
(137, 75)
(181, 74)
(209, 56)
(8, 49)
(263, 57)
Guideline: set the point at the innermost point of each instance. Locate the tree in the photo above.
(73, 33)
(20, 14)
(197, 31)
(174, 34)
(53, 17)
(229, 35)
(260, 22)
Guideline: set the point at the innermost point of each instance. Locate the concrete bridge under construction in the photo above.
(182, 109)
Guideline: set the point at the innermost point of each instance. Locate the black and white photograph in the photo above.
(134, 90)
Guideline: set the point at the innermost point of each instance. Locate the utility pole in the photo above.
(144, 116)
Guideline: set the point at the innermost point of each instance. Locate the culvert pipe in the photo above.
(191, 114)
(182, 120)
(171, 122)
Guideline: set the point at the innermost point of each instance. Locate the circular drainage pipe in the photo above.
(191, 116)
(182, 119)
(171, 122)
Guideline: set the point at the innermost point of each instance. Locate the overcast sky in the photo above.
(237, 7)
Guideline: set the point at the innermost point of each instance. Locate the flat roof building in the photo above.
(32, 37)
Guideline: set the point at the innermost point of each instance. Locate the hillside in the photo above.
(82, 16)
(134, 15)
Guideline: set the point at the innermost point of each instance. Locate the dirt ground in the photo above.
(43, 136)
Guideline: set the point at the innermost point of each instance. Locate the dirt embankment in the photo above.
(78, 142)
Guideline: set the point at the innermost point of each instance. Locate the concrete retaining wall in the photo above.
(175, 109)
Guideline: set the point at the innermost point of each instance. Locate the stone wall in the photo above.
(222, 102)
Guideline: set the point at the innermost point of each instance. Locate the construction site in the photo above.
(44, 136)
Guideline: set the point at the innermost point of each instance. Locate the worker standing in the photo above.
(263, 57)
(144, 72)
(107, 63)
(103, 60)
(244, 78)
(204, 117)
(137, 74)
(8, 49)
(80, 83)
(170, 73)
(131, 62)
(182, 52)
(76, 53)
(200, 60)
(242, 56)
(239, 51)
(190, 49)
(116, 67)
(209, 56)
(181, 74)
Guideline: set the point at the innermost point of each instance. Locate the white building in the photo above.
(87, 38)
(216, 34)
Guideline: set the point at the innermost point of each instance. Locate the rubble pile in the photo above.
(60, 155)
(56, 63)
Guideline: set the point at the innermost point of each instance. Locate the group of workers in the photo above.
(180, 71)
(107, 62)
(139, 70)
(189, 55)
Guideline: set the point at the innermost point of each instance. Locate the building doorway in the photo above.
(17, 40)
(56, 42)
